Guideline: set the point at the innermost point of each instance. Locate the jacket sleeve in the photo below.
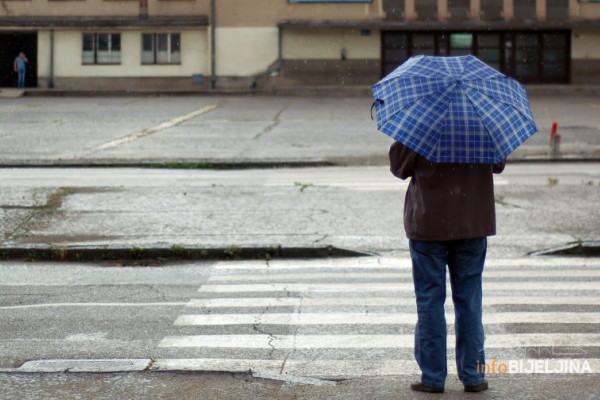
(498, 168)
(402, 161)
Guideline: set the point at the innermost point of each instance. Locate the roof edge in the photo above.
(102, 22)
(441, 25)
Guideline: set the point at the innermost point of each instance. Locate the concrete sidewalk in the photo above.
(539, 206)
(231, 386)
(241, 131)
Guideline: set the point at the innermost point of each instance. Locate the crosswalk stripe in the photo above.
(338, 368)
(370, 341)
(402, 263)
(246, 302)
(342, 292)
(378, 318)
(379, 287)
(395, 275)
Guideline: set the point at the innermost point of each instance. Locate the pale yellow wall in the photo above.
(442, 7)
(67, 56)
(589, 10)
(574, 8)
(179, 7)
(475, 9)
(328, 44)
(43, 54)
(85, 8)
(231, 13)
(409, 8)
(245, 51)
(584, 44)
(509, 10)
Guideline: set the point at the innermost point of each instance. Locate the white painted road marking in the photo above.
(404, 264)
(353, 318)
(310, 276)
(381, 287)
(269, 302)
(64, 305)
(165, 125)
(370, 341)
(375, 282)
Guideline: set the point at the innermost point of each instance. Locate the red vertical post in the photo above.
(553, 132)
(554, 141)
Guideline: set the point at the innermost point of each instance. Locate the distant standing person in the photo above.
(19, 66)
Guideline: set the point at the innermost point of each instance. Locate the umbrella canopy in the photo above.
(453, 109)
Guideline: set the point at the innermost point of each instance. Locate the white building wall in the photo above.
(584, 44)
(328, 44)
(243, 52)
(43, 55)
(68, 50)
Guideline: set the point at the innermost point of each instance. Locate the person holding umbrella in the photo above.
(454, 121)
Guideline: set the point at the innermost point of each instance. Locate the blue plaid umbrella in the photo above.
(453, 110)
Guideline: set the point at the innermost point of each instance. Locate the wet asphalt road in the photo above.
(196, 311)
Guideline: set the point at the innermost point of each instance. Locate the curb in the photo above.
(153, 256)
(242, 165)
(330, 91)
(102, 366)
(572, 249)
(282, 91)
(168, 164)
(81, 366)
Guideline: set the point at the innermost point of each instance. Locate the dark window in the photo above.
(461, 44)
(557, 9)
(101, 48)
(459, 9)
(491, 9)
(330, 1)
(489, 49)
(426, 9)
(526, 55)
(554, 46)
(393, 8)
(525, 9)
(423, 43)
(531, 57)
(395, 50)
(161, 48)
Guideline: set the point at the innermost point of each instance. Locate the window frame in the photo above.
(114, 55)
(155, 48)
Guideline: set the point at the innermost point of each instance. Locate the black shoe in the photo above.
(421, 387)
(477, 388)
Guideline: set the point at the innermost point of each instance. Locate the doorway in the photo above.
(11, 44)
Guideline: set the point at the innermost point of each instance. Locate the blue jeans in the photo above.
(21, 79)
(465, 259)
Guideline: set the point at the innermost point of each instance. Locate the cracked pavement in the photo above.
(87, 310)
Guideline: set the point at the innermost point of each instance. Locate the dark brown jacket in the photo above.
(445, 201)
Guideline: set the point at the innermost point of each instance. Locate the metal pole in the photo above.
(51, 77)
(213, 50)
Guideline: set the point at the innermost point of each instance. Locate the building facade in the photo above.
(99, 44)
